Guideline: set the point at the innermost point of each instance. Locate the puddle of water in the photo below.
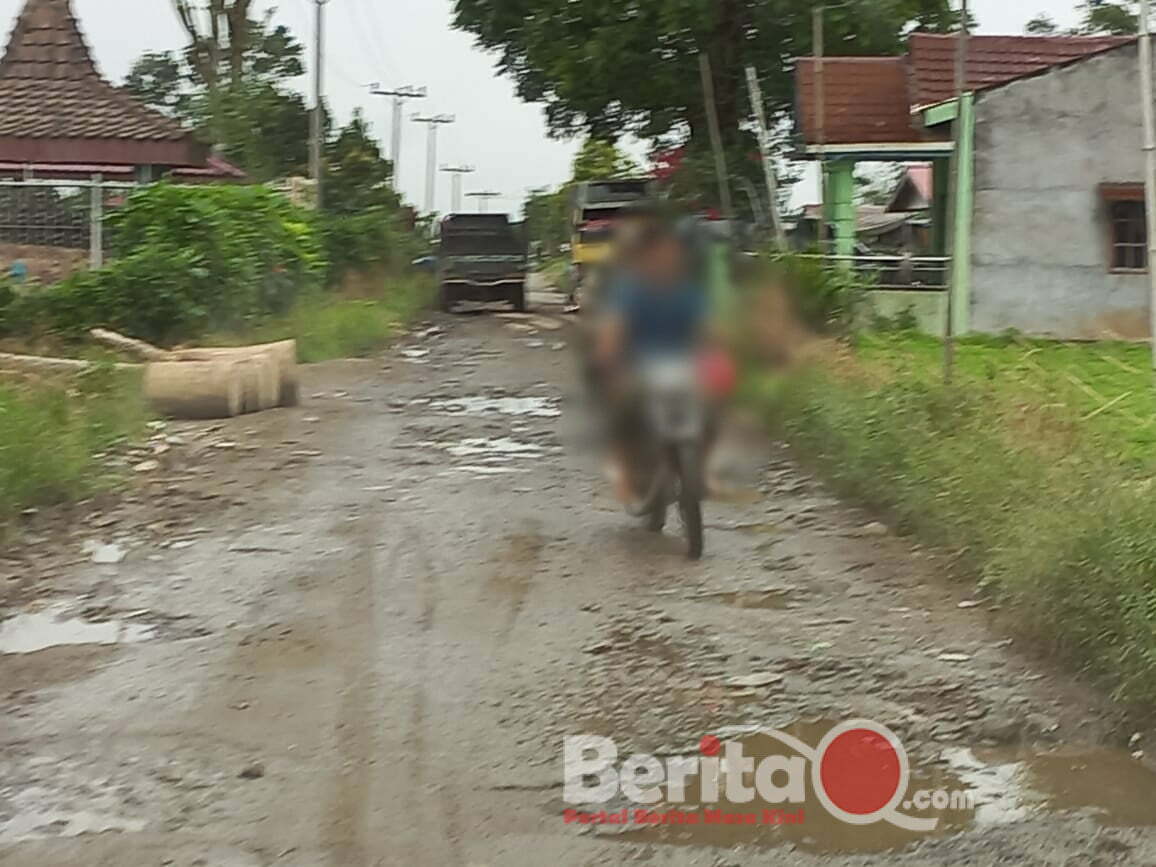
(777, 599)
(539, 407)
(1004, 787)
(1010, 785)
(416, 356)
(489, 448)
(53, 627)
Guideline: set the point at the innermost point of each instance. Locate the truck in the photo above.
(595, 207)
(480, 257)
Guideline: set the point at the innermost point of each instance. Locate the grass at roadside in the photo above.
(1035, 466)
(331, 325)
(53, 431)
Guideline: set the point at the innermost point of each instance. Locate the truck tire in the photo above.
(517, 296)
(445, 299)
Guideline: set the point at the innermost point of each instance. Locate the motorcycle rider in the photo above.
(655, 305)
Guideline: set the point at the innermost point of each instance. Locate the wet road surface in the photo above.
(356, 633)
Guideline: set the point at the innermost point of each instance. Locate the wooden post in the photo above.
(760, 114)
(96, 222)
(716, 144)
(817, 49)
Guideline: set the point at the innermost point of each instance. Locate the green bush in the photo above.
(187, 259)
(825, 297)
(365, 241)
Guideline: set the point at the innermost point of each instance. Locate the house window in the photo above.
(1126, 224)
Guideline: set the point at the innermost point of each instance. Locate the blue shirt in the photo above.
(659, 320)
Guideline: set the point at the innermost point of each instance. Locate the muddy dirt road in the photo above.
(356, 633)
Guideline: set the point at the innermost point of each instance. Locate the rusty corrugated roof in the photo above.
(991, 60)
(865, 97)
(50, 87)
(870, 100)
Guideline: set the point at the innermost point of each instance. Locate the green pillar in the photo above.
(964, 206)
(840, 204)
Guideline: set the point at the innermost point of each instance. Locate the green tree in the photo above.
(159, 80)
(241, 100)
(1042, 25)
(608, 67)
(1101, 17)
(359, 177)
(599, 159)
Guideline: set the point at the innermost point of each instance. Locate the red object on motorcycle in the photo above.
(718, 372)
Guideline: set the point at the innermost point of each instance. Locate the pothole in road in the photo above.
(537, 407)
(53, 626)
(969, 790)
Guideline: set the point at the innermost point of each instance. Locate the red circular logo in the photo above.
(860, 771)
(710, 745)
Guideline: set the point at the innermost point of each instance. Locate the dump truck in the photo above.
(481, 257)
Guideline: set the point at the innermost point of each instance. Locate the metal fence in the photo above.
(915, 273)
(51, 228)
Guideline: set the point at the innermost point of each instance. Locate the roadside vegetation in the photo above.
(1035, 468)
(212, 264)
(53, 433)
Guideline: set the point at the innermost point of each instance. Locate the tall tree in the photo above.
(359, 177)
(608, 67)
(1103, 17)
(250, 112)
(1042, 25)
(600, 159)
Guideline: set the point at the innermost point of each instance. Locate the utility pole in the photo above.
(483, 198)
(400, 95)
(1149, 161)
(756, 94)
(432, 122)
(953, 193)
(456, 173)
(317, 131)
(720, 160)
(818, 50)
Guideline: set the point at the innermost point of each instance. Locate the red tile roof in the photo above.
(870, 100)
(50, 88)
(865, 100)
(991, 60)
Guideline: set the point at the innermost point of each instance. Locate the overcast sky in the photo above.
(411, 42)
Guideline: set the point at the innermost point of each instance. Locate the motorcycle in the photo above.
(668, 464)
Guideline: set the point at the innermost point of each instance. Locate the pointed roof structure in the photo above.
(55, 107)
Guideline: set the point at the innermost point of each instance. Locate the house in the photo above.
(60, 119)
(1049, 233)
